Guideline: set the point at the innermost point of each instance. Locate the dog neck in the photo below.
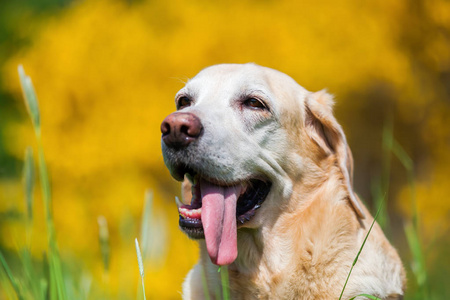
(323, 225)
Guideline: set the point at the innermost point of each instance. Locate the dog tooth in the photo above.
(182, 213)
(189, 177)
(257, 206)
(178, 202)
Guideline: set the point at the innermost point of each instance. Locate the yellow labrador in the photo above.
(269, 191)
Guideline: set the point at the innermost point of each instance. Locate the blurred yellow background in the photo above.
(106, 72)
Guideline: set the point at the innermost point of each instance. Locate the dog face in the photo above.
(243, 135)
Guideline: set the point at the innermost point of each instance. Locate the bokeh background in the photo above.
(106, 72)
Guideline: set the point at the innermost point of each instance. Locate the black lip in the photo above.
(194, 233)
(190, 223)
(192, 227)
(178, 171)
(247, 205)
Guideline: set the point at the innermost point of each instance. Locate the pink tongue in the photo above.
(219, 221)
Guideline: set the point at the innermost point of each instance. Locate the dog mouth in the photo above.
(217, 209)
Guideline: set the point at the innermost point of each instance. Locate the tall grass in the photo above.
(391, 147)
(52, 285)
(380, 185)
(412, 227)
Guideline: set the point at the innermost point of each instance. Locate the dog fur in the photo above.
(302, 241)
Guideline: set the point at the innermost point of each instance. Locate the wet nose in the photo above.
(180, 129)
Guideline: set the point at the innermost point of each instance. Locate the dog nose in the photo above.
(180, 129)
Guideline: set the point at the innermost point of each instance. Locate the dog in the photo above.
(268, 191)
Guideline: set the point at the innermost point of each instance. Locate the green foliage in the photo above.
(392, 147)
(412, 228)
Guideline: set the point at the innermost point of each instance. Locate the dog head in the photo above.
(243, 136)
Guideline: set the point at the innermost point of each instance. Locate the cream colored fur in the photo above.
(302, 241)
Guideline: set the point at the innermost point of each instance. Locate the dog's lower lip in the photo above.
(191, 223)
(192, 227)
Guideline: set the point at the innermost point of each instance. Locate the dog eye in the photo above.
(183, 102)
(254, 103)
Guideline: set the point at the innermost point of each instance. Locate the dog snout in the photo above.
(180, 129)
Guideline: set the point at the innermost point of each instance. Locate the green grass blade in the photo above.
(29, 180)
(30, 98)
(55, 266)
(10, 276)
(28, 184)
(217, 292)
(31, 277)
(43, 286)
(205, 284)
(360, 250)
(103, 238)
(141, 265)
(5, 286)
(418, 259)
(366, 295)
(377, 192)
(401, 154)
(85, 285)
(225, 282)
(48, 289)
(146, 223)
(383, 184)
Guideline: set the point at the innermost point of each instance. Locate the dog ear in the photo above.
(325, 131)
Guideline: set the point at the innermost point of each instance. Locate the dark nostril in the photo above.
(185, 130)
(165, 128)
